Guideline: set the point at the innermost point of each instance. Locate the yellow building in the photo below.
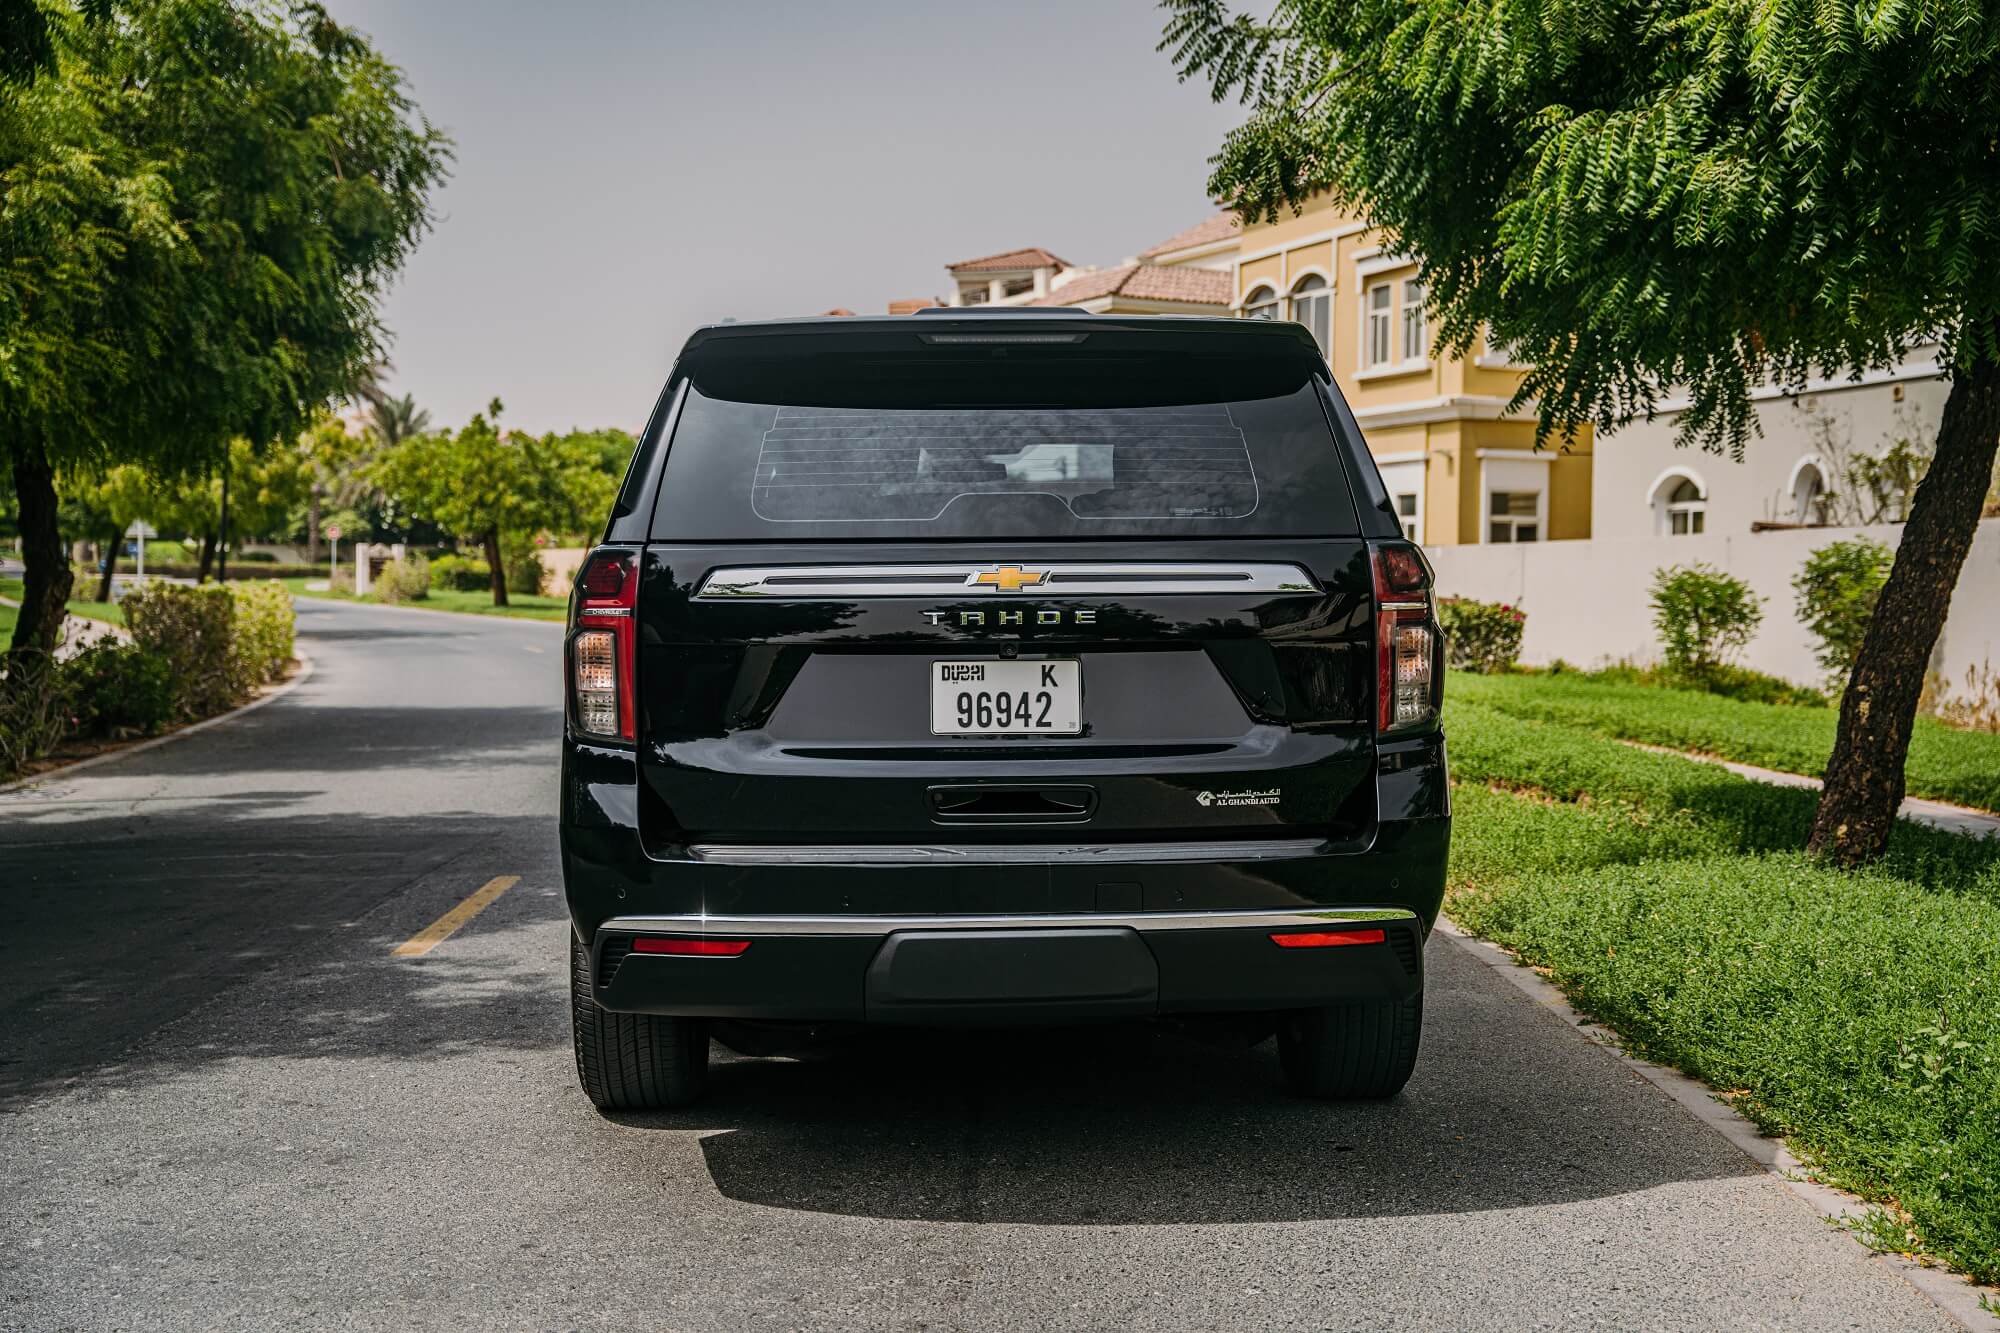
(1460, 469)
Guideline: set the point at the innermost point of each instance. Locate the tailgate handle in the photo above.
(986, 804)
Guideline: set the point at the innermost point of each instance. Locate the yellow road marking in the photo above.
(442, 929)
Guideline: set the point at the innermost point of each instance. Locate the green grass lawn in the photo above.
(108, 612)
(1854, 1013)
(520, 606)
(1945, 763)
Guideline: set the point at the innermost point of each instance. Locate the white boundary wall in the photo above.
(1589, 602)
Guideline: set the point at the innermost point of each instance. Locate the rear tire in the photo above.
(632, 1062)
(1356, 1050)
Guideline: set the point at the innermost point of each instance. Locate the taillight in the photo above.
(1405, 639)
(601, 647)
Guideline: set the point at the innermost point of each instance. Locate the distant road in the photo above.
(225, 1104)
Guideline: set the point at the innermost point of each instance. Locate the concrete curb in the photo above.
(55, 774)
(1957, 1296)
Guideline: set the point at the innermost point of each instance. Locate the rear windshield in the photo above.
(1029, 443)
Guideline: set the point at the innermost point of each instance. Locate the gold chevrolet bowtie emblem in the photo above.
(1007, 578)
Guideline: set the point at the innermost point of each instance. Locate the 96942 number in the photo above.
(1006, 698)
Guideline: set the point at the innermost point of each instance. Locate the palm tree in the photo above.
(393, 420)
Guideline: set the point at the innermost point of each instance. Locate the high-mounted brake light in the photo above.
(601, 647)
(1406, 639)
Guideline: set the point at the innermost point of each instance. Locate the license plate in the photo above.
(1006, 698)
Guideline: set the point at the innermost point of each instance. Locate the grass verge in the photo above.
(108, 612)
(1854, 1013)
(1945, 763)
(521, 606)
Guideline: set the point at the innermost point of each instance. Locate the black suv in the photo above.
(1002, 668)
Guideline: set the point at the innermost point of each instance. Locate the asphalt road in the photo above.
(224, 1104)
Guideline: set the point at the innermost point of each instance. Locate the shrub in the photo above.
(405, 580)
(1731, 682)
(255, 557)
(34, 712)
(120, 689)
(1837, 587)
(461, 573)
(525, 573)
(190, 628)
(1481, 636)
(261, 634)
(1704, 617)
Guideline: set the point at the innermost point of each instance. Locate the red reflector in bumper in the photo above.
(693, 948)
(1326, 939)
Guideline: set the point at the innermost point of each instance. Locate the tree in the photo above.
(1709, 194)
(486, 484)
(393, 420)
(200, 205)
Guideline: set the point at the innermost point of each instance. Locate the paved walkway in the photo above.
(1937, 814)
(76, 630)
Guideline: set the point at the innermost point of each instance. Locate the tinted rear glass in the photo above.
(1014, 442)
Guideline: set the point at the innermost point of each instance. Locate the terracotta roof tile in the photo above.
(1146, 282)
(1032, 257)
(837, 310)
(1221, 227)
(913, 305)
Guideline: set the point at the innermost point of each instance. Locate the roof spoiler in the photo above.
(985, 310)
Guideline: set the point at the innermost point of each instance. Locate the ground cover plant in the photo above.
(1945, 763)
(1851, 1011)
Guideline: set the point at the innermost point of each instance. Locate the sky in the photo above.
(628, 171)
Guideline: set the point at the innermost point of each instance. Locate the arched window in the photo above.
(1810, 502)
(1686, 509)
(1680, 504)
(1312, 306)
(1261, 303)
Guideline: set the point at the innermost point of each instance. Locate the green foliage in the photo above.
(1637, 193)
(1945, 763)
(1481, 636)
(483, 482)
(119, 689)
(261, 633)
(461, 574)
(1837, 588)
(202, 206)
(525, 572)
(223, 641)
(405, 580)
(1731, 682)
(191, 628)
(34, 710)
(1850, 1011)
(1703, 617)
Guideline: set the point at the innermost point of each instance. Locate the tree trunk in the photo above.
(46, 582)
(494, 566)
(312, 525)
(207, 557)
(110, 568)
(222, 546)
(1864, 776)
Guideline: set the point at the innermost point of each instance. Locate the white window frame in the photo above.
(1405, 321)
(1374, 270)
(1263, 296)
(1323, 335)
(1511, 471)
(1817, 466)
(1664, 510)
(1398, 472)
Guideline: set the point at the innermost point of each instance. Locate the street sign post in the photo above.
(141, 532)
(333, 535)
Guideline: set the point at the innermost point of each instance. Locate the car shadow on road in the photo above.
(1117, 1127)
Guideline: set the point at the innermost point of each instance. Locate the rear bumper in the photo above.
(1054, 968)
